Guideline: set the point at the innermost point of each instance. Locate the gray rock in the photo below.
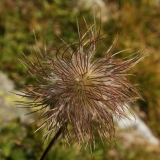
(95, 6)
(5, 83)
(8, 108)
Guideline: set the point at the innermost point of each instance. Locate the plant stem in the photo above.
(51, 143)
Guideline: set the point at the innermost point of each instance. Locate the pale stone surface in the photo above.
(97, 7)
(8, 107)
(133, 121)
(5, 83)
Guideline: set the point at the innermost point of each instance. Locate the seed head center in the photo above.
(81, 82)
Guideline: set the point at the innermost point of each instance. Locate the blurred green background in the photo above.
(139, 25)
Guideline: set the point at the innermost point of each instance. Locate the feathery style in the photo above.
(76, 94)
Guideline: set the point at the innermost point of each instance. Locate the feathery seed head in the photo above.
(74, 89)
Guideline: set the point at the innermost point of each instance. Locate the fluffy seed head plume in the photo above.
(78, 93)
